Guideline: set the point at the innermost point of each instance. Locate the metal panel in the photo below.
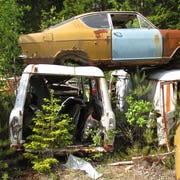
(136, 44)
(58, 70)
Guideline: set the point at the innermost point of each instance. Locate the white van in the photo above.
(165, 85)
(82, 90)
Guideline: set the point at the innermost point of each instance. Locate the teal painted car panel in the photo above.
(136, 44)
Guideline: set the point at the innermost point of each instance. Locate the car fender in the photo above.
(65, 56)
(171, 43)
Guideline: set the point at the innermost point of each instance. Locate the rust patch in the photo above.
(99, 32)
(171, 39)
(9, 85)
(39, 61)
(156, 40)
(32, 69)
(157, 44)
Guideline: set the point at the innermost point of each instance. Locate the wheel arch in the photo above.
(176, 53)
(72, 56)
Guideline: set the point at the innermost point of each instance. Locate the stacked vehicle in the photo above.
(109, 40)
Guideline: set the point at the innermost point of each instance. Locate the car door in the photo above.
(134, 39)
(95, 36)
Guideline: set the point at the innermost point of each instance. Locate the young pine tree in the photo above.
(138, 114)
(50, 131)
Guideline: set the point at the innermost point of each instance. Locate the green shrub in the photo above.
(139, 115)
(50, 131)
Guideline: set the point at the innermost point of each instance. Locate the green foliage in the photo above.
(9, 30)
(139, 108)
(140, 6)
(4, 150)
(138, 111)
(97, 141)
(5, 176)
(125, 132)
(45, 165)
(71, 8)
(111, 133)
(6, 103)
(34, 10)
(8, 158)
(166, 15)
(49, 18)
(163, 14)
(140, 87)
(96, 137)
(140, 116)
(50, 131)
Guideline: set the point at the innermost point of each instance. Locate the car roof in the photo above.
(90, 13)
(99, 12)
(50, 69)
(105, 12)
(165, 75)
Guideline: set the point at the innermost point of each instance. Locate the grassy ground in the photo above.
(137, 172)
(142, 170)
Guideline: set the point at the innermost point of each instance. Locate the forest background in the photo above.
(25, 16)
(20, 17)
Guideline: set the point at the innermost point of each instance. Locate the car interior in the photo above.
(80, 98)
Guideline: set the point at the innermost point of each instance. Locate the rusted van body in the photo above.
(165, 85)
(83, 93)
(164, 94)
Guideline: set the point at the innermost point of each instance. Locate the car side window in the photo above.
(143, 23)
(122, 21)
(128, 21)
(133, 23)
(96, 21)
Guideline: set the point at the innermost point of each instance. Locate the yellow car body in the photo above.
(73, 38)
(108, 39)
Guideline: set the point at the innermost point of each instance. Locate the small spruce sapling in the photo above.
(139, 111)
(50, 131)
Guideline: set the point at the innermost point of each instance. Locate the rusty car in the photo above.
(163, 93)
(105, 39)
(84, 95)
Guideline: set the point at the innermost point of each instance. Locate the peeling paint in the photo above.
(157, 44)
(171, 39)
(99, 33)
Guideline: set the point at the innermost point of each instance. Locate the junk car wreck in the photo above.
(163, 93)
(84, 95)
(105, 39)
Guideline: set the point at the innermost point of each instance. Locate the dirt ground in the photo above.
(140, 171)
